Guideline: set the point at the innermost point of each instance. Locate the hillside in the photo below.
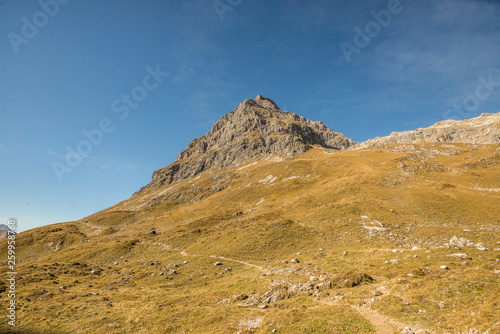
(292, 232)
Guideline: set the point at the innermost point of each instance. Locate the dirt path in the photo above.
(239, 261)
(184, 253)
(377, 320)
(382, 324)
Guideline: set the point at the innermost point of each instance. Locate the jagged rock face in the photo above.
(484, 129)
(256, 129)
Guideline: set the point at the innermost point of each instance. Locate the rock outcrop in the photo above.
(484, 129)
(256, 129)
(5, 231)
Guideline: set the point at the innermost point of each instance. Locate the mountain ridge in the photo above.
(259, 129)
(484, 129)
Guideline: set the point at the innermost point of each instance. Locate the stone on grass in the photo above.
(481, 246)
(462, 256)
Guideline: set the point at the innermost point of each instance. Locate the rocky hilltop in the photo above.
(484, 129)
(256, 129)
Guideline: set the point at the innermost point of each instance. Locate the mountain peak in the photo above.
(259, 101)
(256, 129)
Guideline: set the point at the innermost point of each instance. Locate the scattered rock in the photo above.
(218, 264)
(240, 297)
(444, 267)
(407, 330)
(441, 304)
(313, 279)
(461, 242)
(481, 246)
(353, 280)
(462, 256)
(295, 261)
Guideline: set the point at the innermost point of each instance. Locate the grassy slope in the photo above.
(266, 213)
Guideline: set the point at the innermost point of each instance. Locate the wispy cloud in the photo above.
(428, 58)
(442, 42)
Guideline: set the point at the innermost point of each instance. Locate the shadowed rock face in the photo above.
(255, 130)
(484, 129)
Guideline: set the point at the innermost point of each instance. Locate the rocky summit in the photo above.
(256, 129)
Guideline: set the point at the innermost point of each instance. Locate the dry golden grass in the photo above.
(366, 203)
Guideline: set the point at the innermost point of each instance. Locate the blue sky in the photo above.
(67, 67)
